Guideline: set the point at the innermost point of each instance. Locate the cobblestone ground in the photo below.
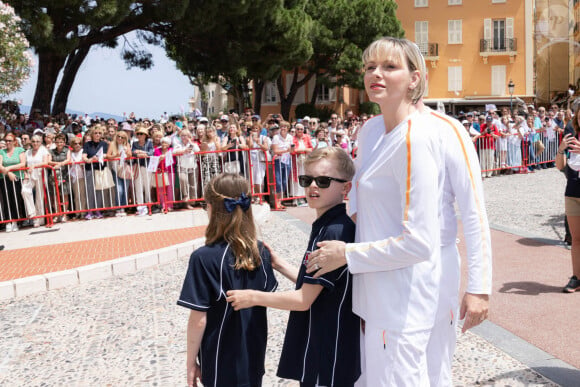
(128, 331)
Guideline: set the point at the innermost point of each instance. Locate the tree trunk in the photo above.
(49, 65)
(315, 94)
(286, 100)
(257, 94)
(71, 69)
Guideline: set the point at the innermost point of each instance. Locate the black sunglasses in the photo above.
(321, 181)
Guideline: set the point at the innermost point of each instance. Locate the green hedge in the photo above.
(369, 108)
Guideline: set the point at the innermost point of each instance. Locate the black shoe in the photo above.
(1, 247)
(573, 285)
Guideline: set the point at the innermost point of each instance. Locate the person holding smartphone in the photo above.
(566, 161)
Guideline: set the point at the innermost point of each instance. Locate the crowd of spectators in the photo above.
(518, 142)
(104, 164)
(96, 164)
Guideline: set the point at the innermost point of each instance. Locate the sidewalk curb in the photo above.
(113, 268)
(22, 287)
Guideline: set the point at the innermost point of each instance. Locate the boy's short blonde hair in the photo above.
(342, 161)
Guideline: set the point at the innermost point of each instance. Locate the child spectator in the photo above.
(321, 346)
(230, 346)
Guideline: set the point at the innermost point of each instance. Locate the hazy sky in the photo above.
(103, 84)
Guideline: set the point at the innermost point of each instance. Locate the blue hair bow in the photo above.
(243, 202)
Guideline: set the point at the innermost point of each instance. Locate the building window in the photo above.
(422, 36)
(454, 32)
(454, 78)
(454, 2)
(270, 93)
(326, 94)
(499, 34)
(421, 3)
(498, 83)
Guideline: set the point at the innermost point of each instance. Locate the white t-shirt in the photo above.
(37, 159)
(283, 144)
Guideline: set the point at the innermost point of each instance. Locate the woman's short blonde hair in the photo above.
(397, 49)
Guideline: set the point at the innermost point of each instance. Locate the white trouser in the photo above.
(142, 184)
(444, 334)
(34, 206)
(391, 358)
(188, 184)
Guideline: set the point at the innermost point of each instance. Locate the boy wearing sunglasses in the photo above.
(321, 346)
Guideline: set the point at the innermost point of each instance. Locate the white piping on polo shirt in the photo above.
(197, 306)
(221, 273)
(338, 326)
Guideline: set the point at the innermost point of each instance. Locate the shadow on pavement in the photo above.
(529, 288)
(565, 377)
(537, 242)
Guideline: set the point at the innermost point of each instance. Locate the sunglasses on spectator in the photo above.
(321, 181)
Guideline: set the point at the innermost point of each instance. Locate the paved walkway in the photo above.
(25, 262)
(90, 335)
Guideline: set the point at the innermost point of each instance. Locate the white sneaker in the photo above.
(142, 211)
(119, 213)
(9, 227)
(15, 227)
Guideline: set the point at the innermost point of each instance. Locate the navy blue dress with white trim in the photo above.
(322, 344)
(233, 347)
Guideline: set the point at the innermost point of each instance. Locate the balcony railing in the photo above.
(508, 45)
(429, 49)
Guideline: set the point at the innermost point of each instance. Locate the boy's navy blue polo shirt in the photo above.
(233, 346)
(322, 344)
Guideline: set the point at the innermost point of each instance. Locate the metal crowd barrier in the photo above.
(46, 194)
(516, 152)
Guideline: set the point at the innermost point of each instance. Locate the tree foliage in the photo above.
(249, 39)
(62, 33)
(15, 60)
(342, 30)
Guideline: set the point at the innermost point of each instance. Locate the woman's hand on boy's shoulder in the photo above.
(241, 299)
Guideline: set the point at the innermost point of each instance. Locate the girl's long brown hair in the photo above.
(237, 228)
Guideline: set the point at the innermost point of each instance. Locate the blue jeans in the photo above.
(122, 187)
(282, 171)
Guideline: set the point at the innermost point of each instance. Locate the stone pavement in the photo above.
(127, 330)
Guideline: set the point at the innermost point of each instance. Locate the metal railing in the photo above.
(498, 45)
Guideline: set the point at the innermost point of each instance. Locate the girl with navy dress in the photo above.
(225, 347)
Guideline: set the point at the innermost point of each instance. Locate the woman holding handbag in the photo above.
(96, 176)
(186, 150)
(164, 178)
(118, 153)
(234, 141)
(37, 157)
(259, 153)
(59, 159)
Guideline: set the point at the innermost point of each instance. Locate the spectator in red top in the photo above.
(486, 140)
